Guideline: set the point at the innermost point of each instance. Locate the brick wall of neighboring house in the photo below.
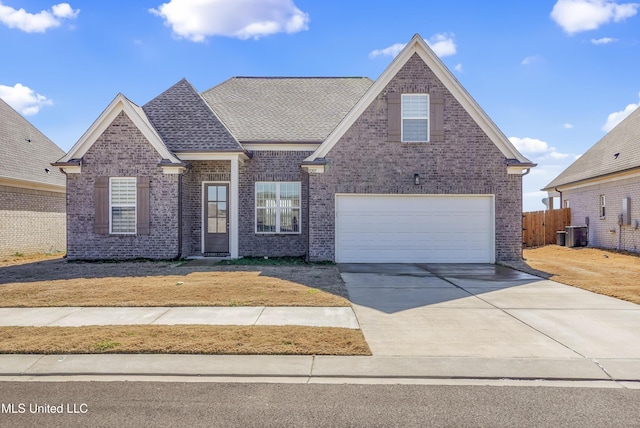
(270, 166)
(605, 232)
(192, 202)
(32, 221)
(467, 162)
(122, 151)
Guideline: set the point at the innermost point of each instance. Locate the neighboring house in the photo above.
(602, 188)
(404, 169)
(32, 192)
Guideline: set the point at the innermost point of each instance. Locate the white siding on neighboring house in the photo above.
(606, 232)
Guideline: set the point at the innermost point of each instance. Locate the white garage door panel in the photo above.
(417, 228)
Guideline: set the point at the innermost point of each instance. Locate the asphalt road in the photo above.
(160, 404)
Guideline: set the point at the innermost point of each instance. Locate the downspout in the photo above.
(526, 172)
(66, 210)
(306, 221)
(179, 255)
(556, 189)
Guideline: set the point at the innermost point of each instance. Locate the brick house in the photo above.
(602, 188)
(32, 193)
(407, 168)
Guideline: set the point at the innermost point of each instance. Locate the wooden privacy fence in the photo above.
(539, 227)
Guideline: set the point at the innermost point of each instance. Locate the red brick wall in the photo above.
(270, 166)
(467, 162)
(122, 151)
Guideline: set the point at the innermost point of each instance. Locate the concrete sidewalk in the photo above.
(424, 324)
(241, 315)
(323, 369)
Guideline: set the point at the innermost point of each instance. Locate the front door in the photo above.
(216, 219)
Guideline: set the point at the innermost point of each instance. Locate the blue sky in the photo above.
(554, 75)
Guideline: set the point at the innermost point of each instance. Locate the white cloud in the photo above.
(603, 41)
(567, 126)
(538, 148)
(583, 15)
(391, 51)
(64, 11)
(38, 22)
(441, 43)
(618, 116)
(531, 59)
(23, 99)
(458, 68)
(243, 19)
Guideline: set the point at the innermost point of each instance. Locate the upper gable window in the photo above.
(415, 118)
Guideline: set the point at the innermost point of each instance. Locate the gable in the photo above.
(186, 123)
(120, 105)
(418, 49)
(601, 160)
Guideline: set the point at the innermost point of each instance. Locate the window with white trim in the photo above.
(122, 205)
(415, 118)
(602, 206)
(278, 207)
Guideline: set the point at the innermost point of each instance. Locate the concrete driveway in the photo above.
(487, 311)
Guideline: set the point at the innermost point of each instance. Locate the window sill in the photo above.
(277, 233)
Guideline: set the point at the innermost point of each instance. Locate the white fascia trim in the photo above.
(419, 46)
(313, 169)
(35, 185)
(281, 147)
(75, 169)
(517, 170)
(193, 156)
(119, 104)
(172, 169)
(601, 180)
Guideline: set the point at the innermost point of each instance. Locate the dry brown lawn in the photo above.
(611, 273)
(40, 281)
(185, 339)
(52, 281)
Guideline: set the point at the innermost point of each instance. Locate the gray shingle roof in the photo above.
(186, 123)
(23, 159)
(285, 109)
(601, 159)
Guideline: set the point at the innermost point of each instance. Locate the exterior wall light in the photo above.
(416, 179)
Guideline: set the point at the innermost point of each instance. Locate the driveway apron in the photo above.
(489, 311)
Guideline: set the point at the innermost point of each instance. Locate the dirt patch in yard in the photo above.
(186, 339)
(52, 281)
(611, 273)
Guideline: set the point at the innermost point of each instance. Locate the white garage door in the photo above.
(414, 228)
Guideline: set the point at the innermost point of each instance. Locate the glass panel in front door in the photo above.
(217, 209)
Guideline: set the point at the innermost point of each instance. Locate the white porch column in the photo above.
(234, 209)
